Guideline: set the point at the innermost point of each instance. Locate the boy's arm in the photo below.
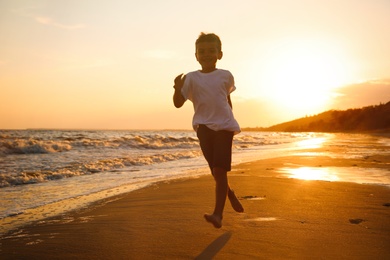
(178, 99)
(230, 102)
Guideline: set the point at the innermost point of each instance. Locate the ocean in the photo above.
(44, 173)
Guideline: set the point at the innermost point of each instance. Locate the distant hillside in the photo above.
(369, 118)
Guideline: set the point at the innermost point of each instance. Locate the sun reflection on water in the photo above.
(315, 142)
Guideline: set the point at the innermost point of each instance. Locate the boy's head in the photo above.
(208, 51)
(209, 37)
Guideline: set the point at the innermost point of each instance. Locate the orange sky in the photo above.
(111, 64)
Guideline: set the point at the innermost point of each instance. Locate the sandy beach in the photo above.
(284, 218)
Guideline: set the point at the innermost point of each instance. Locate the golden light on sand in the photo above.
(309, 173)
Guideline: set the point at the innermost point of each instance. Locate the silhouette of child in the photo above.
(209, 90)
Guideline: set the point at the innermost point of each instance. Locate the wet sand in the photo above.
(284, 219)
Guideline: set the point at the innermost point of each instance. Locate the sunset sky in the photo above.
(96, 64)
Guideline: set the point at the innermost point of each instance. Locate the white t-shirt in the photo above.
(208, 93)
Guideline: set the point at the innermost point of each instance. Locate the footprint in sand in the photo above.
(356, 220)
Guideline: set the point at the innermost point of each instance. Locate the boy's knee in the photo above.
(219, 172)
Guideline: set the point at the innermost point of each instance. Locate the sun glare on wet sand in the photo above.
(315, 142)
(309, 174)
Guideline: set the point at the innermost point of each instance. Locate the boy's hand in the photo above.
(179, 81)
(178, 99)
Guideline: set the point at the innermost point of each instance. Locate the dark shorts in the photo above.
(216, 147)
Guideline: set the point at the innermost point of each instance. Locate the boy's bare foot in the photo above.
(213, 219)
(236, 204)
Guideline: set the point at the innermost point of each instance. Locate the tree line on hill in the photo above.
(370, 118)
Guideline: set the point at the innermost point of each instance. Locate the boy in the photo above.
(209, 90)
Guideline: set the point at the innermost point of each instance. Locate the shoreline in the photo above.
(305, 158)
(284, 218)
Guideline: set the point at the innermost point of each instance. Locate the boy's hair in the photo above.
(209, 37)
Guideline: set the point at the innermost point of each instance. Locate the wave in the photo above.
(21, 146)
(40, 142)
(9, 145)
(157, 141)
(62, 154)
(78, 169)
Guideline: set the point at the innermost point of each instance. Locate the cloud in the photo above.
(32, 12)
(362, 94)
(50, 22)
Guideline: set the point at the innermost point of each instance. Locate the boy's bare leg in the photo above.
(221, 189)
(236, 204)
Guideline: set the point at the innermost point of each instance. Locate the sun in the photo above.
(300, 75)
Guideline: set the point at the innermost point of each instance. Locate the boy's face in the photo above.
(207, 54)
